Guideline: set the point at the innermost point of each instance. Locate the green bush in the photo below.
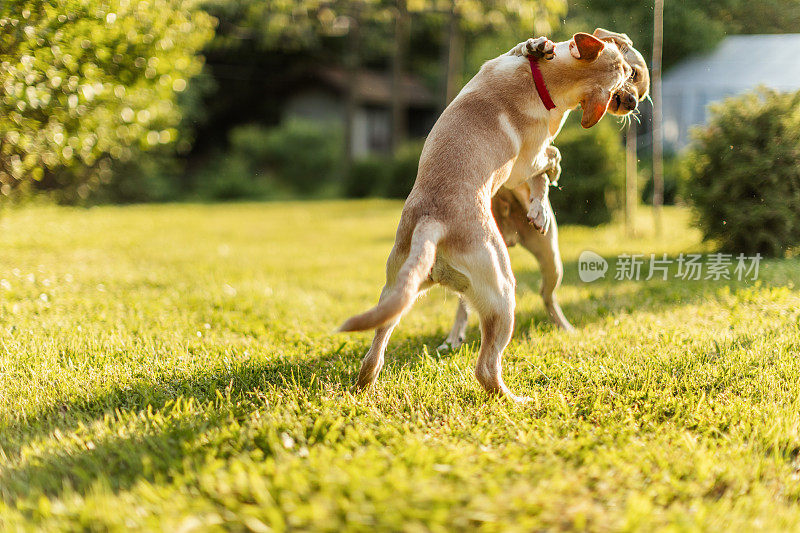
(744, 176)
(592, 176)
(403, 169)
(367, 177)
(84, 83)
(305, 157)
(387, 176)
(673, 183)
(298, 158)
(232, 177)
(153, 178)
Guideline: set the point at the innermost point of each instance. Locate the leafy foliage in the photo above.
(297, 158)
(403, 170)
(89, 82)
(387, 176)
(689, 27)
(367, 177)
(592, 173)
(744, 177)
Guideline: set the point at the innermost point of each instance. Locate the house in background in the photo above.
(739, 64)
(321, 96)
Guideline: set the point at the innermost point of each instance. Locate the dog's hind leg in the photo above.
(373, 361)
(456, 337)
(545, 249)
(491, 294)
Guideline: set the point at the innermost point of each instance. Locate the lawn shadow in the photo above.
(123, 459)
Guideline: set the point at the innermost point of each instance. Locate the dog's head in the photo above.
(587, 71)
(503, 203)
(637, 86)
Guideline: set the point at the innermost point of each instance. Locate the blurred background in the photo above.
(119, 101)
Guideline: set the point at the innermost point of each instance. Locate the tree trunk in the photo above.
(631, 181)
(351, 98)
(451, 58)
(658, 139)
(398, 68)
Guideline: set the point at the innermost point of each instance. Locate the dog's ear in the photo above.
(594, 107)
(502, 208)
(620, 39)
(585, 46)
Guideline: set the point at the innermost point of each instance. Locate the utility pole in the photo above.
(631, 181)
(658, 140)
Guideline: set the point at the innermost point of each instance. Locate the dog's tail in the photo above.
(414, 271)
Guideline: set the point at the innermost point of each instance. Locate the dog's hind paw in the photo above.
(450, 346)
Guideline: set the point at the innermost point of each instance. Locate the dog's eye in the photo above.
(634, 75)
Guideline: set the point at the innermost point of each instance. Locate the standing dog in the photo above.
(510, 209)
(494, 132)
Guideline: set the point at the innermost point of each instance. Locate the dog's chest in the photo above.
(528, 163)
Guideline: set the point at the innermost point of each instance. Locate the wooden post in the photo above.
(658, 139)
(398, 66)
(631, 180)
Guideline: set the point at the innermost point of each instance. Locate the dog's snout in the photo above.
(629, 101)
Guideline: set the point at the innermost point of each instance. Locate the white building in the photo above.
(739, 64)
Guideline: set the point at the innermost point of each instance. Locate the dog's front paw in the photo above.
(553, 169)
(539, 216)
(539, 48)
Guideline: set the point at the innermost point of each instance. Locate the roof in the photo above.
(376, 87)
(743, 61)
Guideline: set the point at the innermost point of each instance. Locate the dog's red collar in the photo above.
(541, 86)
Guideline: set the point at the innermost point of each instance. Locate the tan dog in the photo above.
(494, 132)
(511, 211)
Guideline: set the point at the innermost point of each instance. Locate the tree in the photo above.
(89, 82)
(490, 21)
(689, 27)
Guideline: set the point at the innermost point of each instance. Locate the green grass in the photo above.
(173, 367)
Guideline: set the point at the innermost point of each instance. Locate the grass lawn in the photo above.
(173, 368)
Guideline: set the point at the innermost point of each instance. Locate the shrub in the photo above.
(153, 178)
(387, 176)
(85, 83)
(673, 183)
(231, 176)
(296, 158)
(403, 170)
(303, 156)
(744, 176)
(592, 176)
(367, 177)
